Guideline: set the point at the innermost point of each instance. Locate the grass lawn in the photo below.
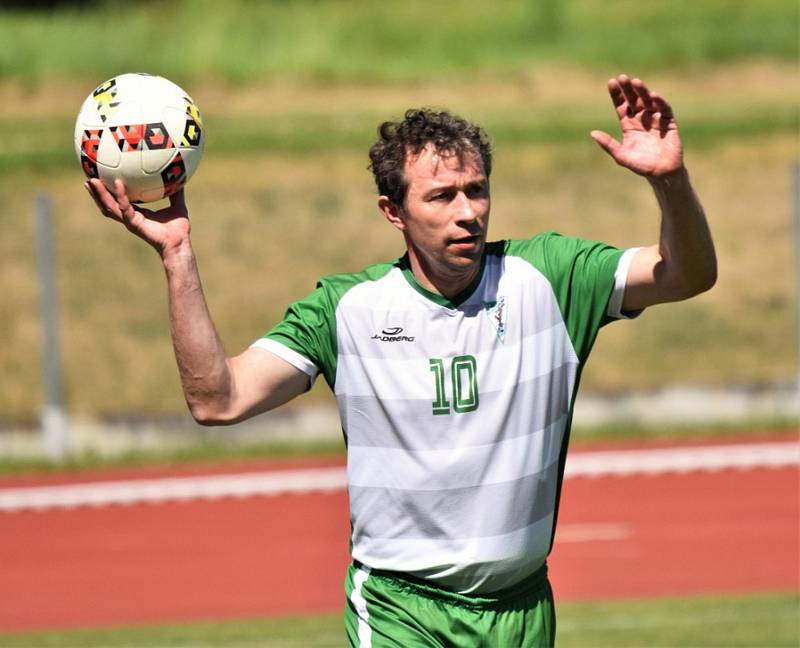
(291, 95)
(760, 621)
(268, 224)
(330, 41)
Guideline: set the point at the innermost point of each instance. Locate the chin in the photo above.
(466, 262)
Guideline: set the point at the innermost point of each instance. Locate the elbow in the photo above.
(205, 417)
(706, 280)
(689, 278)
(210, 402)
(697, 283)
(710, 280)
(208, 421)
(209, 415)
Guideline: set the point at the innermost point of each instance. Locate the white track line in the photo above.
(591, 532)
(579, 464)
(173, 489)
(685, 459)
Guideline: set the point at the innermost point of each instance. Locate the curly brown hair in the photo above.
(445, 131)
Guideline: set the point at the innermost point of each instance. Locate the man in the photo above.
(455, 370)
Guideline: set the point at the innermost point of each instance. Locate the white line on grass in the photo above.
(279, 482)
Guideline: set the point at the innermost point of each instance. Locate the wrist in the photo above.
(177, 255)
(677, 178)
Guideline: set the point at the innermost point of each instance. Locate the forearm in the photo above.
(688, 264)
(202, 361)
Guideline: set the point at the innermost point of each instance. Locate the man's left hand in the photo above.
(651, 145)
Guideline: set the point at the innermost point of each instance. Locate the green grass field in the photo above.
(291, 94)
(759, 621)
(330, 41)
(256, 215)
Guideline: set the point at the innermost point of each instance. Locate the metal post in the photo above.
(796, 208)
(54, 421)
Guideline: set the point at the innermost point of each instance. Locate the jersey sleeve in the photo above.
(306, 337)
(614, 310)
(587, 279)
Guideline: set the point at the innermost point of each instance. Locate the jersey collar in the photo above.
(405, 265)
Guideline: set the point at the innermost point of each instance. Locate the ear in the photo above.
(392, 212)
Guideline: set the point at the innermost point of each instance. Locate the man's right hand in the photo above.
(166, 229)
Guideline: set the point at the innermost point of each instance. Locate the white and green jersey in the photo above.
(456, 413)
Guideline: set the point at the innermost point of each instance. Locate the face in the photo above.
(444, 218)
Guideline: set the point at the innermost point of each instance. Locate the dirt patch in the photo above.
(542, 83)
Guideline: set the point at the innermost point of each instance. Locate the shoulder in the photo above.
(559, 257)
(537, 250)
(335, 286)
(549, 247)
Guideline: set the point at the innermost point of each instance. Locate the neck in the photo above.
(444, 281)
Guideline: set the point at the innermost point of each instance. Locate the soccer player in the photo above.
(455, 369)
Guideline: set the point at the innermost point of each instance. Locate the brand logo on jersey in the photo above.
(392, 334)
(496, 311)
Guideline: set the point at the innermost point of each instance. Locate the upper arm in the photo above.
(652, 280)
(260, 381)
(642, 285)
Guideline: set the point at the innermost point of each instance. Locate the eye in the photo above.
(477, 190)
(442, 195)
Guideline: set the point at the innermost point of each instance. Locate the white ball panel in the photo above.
(108, 153)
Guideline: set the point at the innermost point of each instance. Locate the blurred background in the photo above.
(291, 93)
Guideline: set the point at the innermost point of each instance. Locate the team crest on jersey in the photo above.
(496, 312)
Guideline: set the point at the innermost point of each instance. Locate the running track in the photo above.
(154, 546)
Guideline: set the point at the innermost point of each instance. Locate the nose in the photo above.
(465, 209)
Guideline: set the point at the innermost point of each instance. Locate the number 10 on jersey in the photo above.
(463, 384)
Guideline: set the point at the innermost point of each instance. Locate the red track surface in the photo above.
(633, 536)
(694, 533)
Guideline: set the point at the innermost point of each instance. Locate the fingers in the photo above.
(608, 143)
(629, 96)
(133, 217)
(642, 93)
(615, 91)
(122, 197)
(105, 201)
(632, 98)
(662, 106)
(115, 204)
(88, 186)
(628, 91)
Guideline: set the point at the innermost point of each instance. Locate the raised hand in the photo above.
(165, 229)
(651, 145)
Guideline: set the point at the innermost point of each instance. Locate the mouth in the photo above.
(466, 242)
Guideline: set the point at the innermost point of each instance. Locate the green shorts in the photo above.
(387, 609)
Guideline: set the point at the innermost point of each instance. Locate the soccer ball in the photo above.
(142, 129)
